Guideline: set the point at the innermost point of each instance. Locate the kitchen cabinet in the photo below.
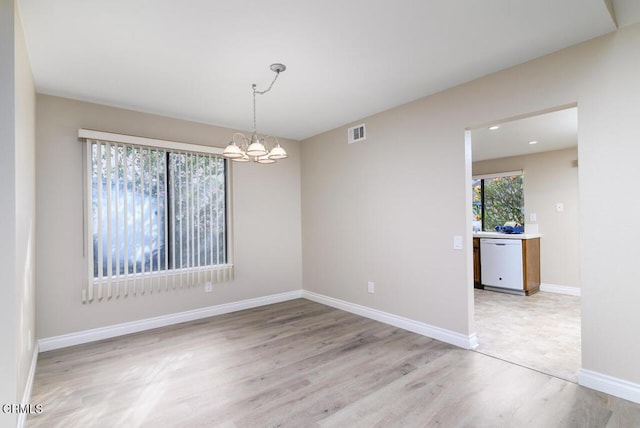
(476, 264)
(531, 262)
(528, 254)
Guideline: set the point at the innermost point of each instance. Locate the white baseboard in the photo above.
(590, 379)
(560, 289)
(26, 396)
(448, 336)
(609, 384)
(86, 336)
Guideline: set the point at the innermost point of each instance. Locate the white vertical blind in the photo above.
(125, 216)
(156, 219)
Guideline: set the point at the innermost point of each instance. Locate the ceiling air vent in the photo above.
(357, 133)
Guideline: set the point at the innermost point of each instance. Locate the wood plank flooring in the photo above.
(541, 331)
(302, 364)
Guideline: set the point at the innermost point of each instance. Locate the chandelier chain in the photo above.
(270, 86)
(254, 109)
(255, 91)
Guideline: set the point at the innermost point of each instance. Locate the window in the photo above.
(157, 216)
(497, 199)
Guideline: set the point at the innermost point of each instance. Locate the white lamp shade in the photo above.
(242, 158)
(232, 151)
(256, 148)
(265, 159)
(277, 152)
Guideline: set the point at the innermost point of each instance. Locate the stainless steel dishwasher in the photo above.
(501, 261)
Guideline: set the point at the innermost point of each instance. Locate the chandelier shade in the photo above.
(265, 159)
(277, 152)
(243, 158)
(256, 148)
(232, 151)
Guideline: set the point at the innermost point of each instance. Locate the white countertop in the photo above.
(506, 235)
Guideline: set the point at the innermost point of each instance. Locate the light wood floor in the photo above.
(302, 364)
(541, 331)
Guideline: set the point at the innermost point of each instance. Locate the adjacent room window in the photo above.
(497, 199)
(157, 217)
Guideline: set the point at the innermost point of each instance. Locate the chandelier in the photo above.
(255, 149)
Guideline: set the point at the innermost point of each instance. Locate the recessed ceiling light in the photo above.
(494, 127)
(533, 142)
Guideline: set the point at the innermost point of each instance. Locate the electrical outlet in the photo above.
(532, 217)
(208, 287)
(457, 242)
(371, 287)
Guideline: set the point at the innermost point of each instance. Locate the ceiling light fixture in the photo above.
(494, 127)
(254, 149)
(533, 142)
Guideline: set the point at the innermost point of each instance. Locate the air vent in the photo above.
(357, 133)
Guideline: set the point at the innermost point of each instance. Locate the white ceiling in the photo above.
(552, 131)
(346, 59)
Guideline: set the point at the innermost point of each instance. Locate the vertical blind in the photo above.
(157, 219)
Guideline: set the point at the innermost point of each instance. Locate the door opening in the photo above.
(527, 305)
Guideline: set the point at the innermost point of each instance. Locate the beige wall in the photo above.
(549, 178)
(8, 324)
(266, 202)
(17, 210)
(25, 200)
(386, 209)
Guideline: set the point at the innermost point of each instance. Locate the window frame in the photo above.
(95, 286)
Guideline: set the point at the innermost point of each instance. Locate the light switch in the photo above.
(532, 217)
(559, 207)
(457, 242)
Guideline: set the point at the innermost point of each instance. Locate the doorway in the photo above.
(540, 331)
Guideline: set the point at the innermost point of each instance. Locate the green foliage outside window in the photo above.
(503, 201)
(477, 198)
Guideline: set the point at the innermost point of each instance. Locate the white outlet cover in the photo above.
(532, 217)
(457, 242)
(371, 287)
